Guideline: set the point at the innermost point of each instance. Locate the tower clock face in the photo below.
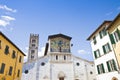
(60, 45)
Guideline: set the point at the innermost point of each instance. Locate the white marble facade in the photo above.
(58, 63)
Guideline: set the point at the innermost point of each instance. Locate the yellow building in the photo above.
(114, 31)
(11, 59)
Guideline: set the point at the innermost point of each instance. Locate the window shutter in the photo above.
(112, 39)
(100, 35)
(103, 68)
(118, 32)
(105, 32)
(108, 66)
(95, 54)
(115, 68)
(109, 46)
(98, 69)
(2, 68)
(104, 49)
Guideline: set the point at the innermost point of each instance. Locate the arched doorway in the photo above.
(114, 78)
(61, 78)
(61, 75)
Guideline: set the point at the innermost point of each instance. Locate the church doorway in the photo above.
(61, 75)
(61, 78)
(114, 78)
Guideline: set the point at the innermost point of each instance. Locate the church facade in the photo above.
(58, 63)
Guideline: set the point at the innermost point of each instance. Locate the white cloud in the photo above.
(11, 29)
(3, 23)
(83, 52)
(25, 58)
(5, 20)
(41, 52)
(26, 48)
(4, 7)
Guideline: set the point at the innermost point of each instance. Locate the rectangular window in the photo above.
(116, 35)
(103, 32)
(2, 68)
(100, 69)
(13, 54)
(64, 57)
(56, 57)
(18, 74)
(97, 53)
(112, 38)
(106, 48)
(6, 49)
(10, 70)
(94, 40)
(111, 65)
(20, 59)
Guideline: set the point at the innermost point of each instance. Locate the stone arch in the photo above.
(114, 78)
(61, 74)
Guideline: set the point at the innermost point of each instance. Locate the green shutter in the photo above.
(112, 39)
(115, 68)
(105, 32)
(100, 35)
(109, 46)
(98, 69)
(118, 32)
(108, 66)
(104, 49)
(103, 68)
(95, 54)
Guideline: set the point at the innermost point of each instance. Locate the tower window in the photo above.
(33, 45)
(32, 51)
(33, 41)
(32, 56)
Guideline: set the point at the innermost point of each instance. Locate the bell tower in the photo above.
(33, 47)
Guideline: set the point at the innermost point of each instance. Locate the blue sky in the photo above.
(75, 18)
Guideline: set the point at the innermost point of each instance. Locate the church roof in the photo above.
(59, 35)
